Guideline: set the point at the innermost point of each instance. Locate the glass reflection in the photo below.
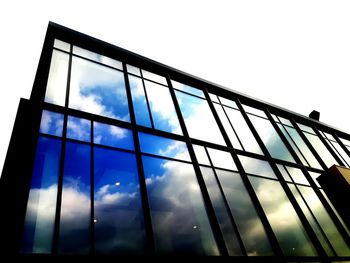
(321, 149)
(221, 213)
(78, 129)
(214, 98)
(61, 45)
(75, 209)
(139, 101)
(201, 154)
(98, 89)
(243, 131)
(133, 70)
(284, 221)
(118, 218)
(257, 167)
(97, 57)
(41, 207)
(337, 148)
(315, 226)
(188, 89)
(163, 146)
(297, 175)
(242, 208)
(162, 108)
(228, 102)
(154, 77)
(57, 80)
(221, 159)
(51, 123)
(179, 219)
(325, 221)
(114, 136)
(271, 139)
(199, 119)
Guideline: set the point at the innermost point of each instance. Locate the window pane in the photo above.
(75, 210)
(303, 147)
(57, 81)
(151, 76)
(284, 173)
(199, 119)
(325, 221)
(228, 128)
(162, 108)
(222, 159)
(61, 45)
(321, 149)
(222, 215)
(114, 136)
(51, 123)
(228, 102)
(119, 226)
(311, 219)
(201, 154)
(214, 98)
(186, 88)
(243, 131)
(248, 222)
(254, 111)
(337, 149)
(284, 221)
(306, 128)
(271, 139)
(179, 219)
(133, 70)
(79, 129)
(163, 147)
(139, 101)
(257, 167)
(97, 57)
(98, 89)
(297, 175)
(41, 207)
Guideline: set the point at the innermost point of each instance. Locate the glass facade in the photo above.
(140, 160)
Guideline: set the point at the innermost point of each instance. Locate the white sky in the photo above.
(295, 54)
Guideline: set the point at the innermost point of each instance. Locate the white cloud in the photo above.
(120, 133)
(45, 122)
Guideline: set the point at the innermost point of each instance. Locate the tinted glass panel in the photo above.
(229, 103)
(75, 209)
(271, 139)
(297, 175)
(98, 89)
(186, 88)
(254, 111)
(163, 146)
(248, 222)
(61, 45)
(133, 70)
(284, 221)
(199, 119)
(244, 134)
(79, 129)
(57, 81)
(201, 154)
(162, 108)
(221, 212)
(139, 101)
(179, 220)
(97, 57)
(118, 218)
(151, 76)
(41, 207)
(51, 123)
(114, 136)
(213, 98)
(321, 149)
(257, 167)
(325, 221)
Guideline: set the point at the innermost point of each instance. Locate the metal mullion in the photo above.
(188, 93)
(165, 157)
(205, 194)
(69, 77)
(346, 150)
(92, 190)
(329, 148)
(59, 189)
(97, 62)
(270, 234)
(234, 130)
(294, 203)
(150, 246)
(290, 136)
(227, 206)
(309, 145)
(146, 97)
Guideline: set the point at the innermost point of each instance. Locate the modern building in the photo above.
(117, 154)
